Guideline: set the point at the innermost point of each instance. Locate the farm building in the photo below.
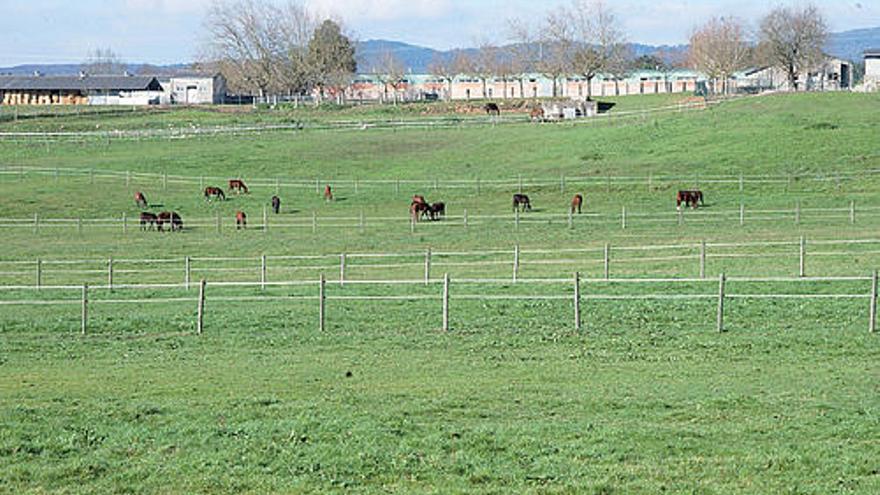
(194, 89)
(872, 69)
(833, 75)
(79, 90)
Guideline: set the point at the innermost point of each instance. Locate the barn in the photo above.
(83, 89)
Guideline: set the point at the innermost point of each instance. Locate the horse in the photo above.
(237, 186)
(148, 220)
(169, 217)
(140, 199)
(240, 220)
(689, 198)
(537, 114)
(576, 203)
(492, 109)
(328, 193)
(215, 192)
(437, 211)
(522, 202)
(276, 204)
(418, 210)
(419, 199)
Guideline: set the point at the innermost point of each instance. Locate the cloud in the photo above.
(382, 10)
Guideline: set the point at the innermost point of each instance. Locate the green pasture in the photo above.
(647, 398)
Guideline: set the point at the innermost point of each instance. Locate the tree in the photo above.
(719, 48)
(600, 43)
(390, 72)
(103, 61)
(295, 29)
(443, 68)
(331, 57)
(485, 64)
(523, 52)
(556, 41)
(792, 39)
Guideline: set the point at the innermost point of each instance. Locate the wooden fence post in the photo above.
(702, 259)
(623, 218)
(342, 270)
(742, 214)
(740, 182)
(478, 186)
(515, 263)
(91, 176)
(263, 272)
(852, 212)
(314, 222)
(322, 302)
(265, 220)
(36, 223)
(607, 261)
(465, 218)
(445, 302)
(803, 261)
(200, 315)
(412, 224)
(79, 225)
(317, 186)
(127, 178)
(577, 301)
(357, 186)
(363, 223)
(110, 273)
(124, 223)
(427, 266)
(720, 320)
(516, 218)
(277, 186)
(680, 217)
(797, 213)
(872, 313)
(650, 181)
(397, 186)
(562, 183)
(186, 272)
(85, 308)
(39, 281)
(570, 219)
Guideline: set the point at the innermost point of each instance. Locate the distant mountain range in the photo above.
(847, 45)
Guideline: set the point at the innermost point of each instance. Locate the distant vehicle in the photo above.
(431, 97)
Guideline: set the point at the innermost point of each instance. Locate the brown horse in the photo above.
(419, 199)
(240, 220)
(492, 109)
(418, 210)
(237, 186)
(576, 203)
(276, 204)
(170, 217)
(148, 220)
(521, 202)
(437, 211)
(690, 199)
(537, 114)
(328, 193)
(214, 192)
(140, 199)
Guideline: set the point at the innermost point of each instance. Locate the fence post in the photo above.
(39, 273)
(520, 184)
(702, 259)
(186, 272)
(412, 224)
(570, 219)
(317, 187)
(265, 220)
(427, 266)
(91, 176)
(200, 316)
(36, 223)
(314, 222)
(201, 183)
(124, 223)
(85, 308)
(740, 182)
(363, 222)
(650, 181)
(577, 301)
(803, 261)
(607, 260)
(110, 273)
(852, 212)
(680, 218)
(277, 186)
(79, 225)
(478, 186)
(445, 302)
(562, 183)
(515, 263)
(516, 218)
(797, 212)
(322, 302)
(742, 214)
(397, 186)
(872, 314)
(263, 272)
(720, 321)
(357, 186)
(342, 270)
(465, 218)
(623, 218)
(127, 178)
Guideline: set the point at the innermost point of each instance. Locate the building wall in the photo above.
(195, 90)
(43, 98)
(872, 69)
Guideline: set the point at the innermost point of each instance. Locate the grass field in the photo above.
(648, 398)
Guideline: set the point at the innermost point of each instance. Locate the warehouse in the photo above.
(83, 89)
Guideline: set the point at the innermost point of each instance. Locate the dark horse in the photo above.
(521, 202)
(689, 198)
(418, 210)
(169, 217)
(437, 211)
(237, 185)
(276, 204)
(240, 220)
(214, 192)
(148, 220)
(576, 203)
(492, 109)
(140, 199)
(328, 193)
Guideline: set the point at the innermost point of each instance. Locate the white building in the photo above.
(872, 69)
(194, 89)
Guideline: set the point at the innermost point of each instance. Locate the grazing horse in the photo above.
(328, 193)
(240, 220)
(214, 192)
(169, 217)
(492, 109)
(148, 220)
(237, 186)
(140, 199)
(437, 211)
(521, 202)
(276, 204)
(689, 198)
(576, 203)
(419, 199)
(537, 114)
(418, 210)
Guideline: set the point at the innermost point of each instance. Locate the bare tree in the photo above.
(600, 42)
(486, 64)
(443, 68)
(294, 33)
(719, 48)
(792, 38)
(556, 41)
(390, 73)
(103, 61)
(523, 52)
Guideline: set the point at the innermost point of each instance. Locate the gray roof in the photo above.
(872, 51)
(77, 83)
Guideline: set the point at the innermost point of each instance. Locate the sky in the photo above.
(169, 31)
